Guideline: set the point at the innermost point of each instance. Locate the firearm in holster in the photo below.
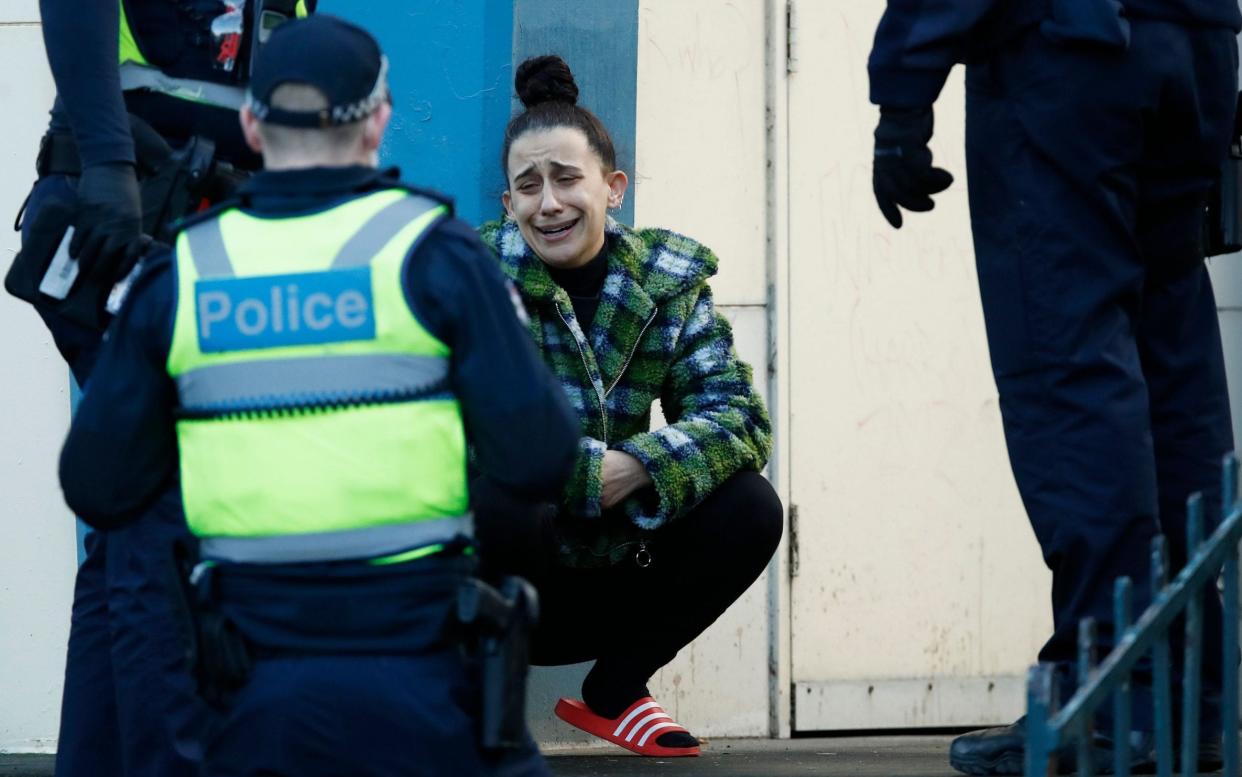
(498, 625)
(172, 185)
(218, 655)
(1223, 224)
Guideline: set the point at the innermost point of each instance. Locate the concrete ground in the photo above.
(890, 756)
(25, 765)
(906, 756)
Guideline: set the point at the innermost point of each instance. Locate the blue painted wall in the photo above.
(599, 40)
(451, 75)
(451, 72)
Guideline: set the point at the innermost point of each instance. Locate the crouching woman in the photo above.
(659, 531)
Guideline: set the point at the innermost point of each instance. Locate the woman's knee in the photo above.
(754, 509)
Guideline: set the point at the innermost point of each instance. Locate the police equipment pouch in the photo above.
(1223, 224)
(172, 184)
(499, 624)
(45, 239)
(218, 655)
(44, 274)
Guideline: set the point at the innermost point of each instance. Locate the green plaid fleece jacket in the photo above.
(656, 335)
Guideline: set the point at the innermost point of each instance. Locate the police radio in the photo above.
(241, 29)
(266, 16)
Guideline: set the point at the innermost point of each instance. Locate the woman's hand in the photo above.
(623, 475)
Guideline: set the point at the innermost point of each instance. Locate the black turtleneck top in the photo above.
(583, 285)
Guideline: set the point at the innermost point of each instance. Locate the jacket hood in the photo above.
(663, 263)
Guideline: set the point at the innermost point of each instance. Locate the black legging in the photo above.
(632, 619)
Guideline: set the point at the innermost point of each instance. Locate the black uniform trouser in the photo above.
(1088, 170)
(357, 672)
(633, 620)
(129, 706)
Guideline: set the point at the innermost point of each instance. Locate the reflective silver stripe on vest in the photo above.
(211, 258)
(382, 227)
(276, 382)
(371, 542)
(135, 76)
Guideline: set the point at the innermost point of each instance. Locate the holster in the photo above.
(190, 180)
(1223, 222)
(33, 261)
(497, 624)
(218, 655)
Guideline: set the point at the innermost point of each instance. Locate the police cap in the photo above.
(339, 59)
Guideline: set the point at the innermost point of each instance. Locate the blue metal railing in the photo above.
(1051, 730)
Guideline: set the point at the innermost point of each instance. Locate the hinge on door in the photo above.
(793, 541)
(791, 38)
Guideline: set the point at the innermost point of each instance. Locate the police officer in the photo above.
(315, 356)
(136, 81)
(1094, 132)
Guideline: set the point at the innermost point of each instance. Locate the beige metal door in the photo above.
(919, 597)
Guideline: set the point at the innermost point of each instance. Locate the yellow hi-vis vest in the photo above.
(316, 421)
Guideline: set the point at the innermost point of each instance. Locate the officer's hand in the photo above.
(109, 217)
(902, 173)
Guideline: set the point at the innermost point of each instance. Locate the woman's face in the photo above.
(559, 195)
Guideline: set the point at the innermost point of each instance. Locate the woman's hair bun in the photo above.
(545, 79)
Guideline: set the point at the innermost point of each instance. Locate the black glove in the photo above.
(902, 173)
(109, 219)
(514, 533)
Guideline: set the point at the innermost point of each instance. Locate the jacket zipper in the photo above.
(642, 557)
(654, 311)
(599, 394)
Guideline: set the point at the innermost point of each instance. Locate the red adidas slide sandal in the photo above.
(636, 729)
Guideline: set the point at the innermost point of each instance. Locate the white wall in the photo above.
(921, 596)
(700, 169)
(37, 539)
(1226, 272)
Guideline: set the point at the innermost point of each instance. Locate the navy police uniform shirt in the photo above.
(122, 449)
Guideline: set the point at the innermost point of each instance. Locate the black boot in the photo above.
(1002, 751)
